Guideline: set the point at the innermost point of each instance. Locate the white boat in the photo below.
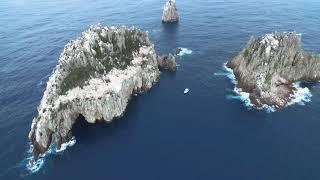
(186, 91)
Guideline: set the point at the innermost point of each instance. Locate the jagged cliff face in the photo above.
(95, 77)
(170, 12)
(267, 67)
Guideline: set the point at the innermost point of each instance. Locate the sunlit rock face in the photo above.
(267, 68)
(96, 75)
(170, 12)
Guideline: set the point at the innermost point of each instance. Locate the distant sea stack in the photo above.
(170, 12)
(95, 77)
(267, 68)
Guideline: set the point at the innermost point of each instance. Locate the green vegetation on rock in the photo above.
(122, 43)
(77, 77)
(268, 78)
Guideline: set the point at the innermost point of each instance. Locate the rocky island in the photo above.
(267, 68)
(95, 77)
(170, 12)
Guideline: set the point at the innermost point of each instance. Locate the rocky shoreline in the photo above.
(267, 68)
(96, 75)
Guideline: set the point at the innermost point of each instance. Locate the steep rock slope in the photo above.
(267, 67)
(96, 75)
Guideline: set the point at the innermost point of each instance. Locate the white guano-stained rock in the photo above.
(96, 75)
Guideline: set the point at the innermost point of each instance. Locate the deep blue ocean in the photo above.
(164, 134)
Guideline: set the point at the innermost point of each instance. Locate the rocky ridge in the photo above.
(267, 68)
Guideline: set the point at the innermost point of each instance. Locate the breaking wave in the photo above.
(301, 95)
(238, 93)
(64, 146)
(35, 166)
(241, 96)
(184, 51)
(43, 82)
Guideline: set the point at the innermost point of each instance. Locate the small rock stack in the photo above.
(170, 12)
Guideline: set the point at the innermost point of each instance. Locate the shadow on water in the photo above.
(169, 37)
(310, 85)
(169, 75)
(170, 28)
(86, 133)
(82, 129)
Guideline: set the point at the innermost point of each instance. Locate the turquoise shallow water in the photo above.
(164, 134)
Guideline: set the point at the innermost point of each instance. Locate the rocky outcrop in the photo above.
(178, 50)
(267, 67)
(170, 12)
(96, 75)
(167, 62)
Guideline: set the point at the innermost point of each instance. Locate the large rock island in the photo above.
(95, 77)
(170, 12)
(267, 68)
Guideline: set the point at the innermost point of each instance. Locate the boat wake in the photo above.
(301, 95)
(33, 166)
